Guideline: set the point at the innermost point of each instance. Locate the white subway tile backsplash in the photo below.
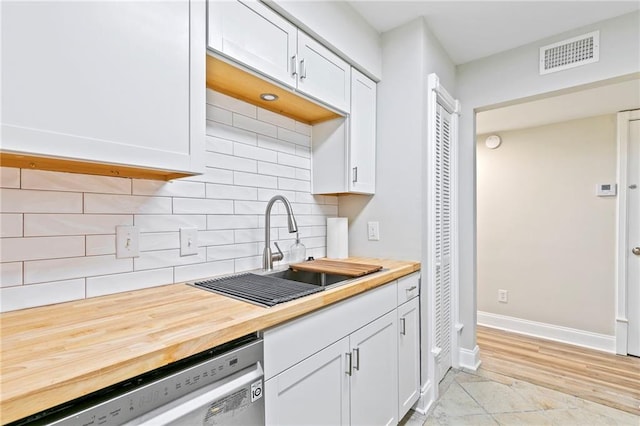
(201, 206)
(163, 258)
(220, 115)
(174, 188)
(232, 221)
(276, 145)
(251, 155)
(231, 192)
(257, 180)
(10, 225)
(255, 126)
(27, 201)
(9, 177)
(72, 182)
(126, 204)
(272, 169)
(231, 251)
(10, 274)
(34, 248)
(294, 184)
(73, 224)
(200, 271)
(100, 244)
(293, 137)
(294, 160)
(215, 238)
(218, 145)
(159, 241)
(166, 223)
(254, 152)
(109, 284)
(38, 271)
(223, 131)
(231, 104)
(229, 162)
(276, 119)
(28, 296)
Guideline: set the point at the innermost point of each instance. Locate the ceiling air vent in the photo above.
(570, 53)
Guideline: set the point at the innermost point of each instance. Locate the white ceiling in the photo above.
(469, 30)
(590, 102)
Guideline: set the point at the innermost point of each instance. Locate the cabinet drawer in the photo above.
(287, 344)
(408, 287)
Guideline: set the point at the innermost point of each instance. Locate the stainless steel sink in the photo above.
(315, 278)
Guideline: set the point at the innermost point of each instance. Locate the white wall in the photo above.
(514, 75)
(58, 229)
(338, 26)
(543, 234)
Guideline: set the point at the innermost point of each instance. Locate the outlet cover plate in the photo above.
(127, 241)
(373, 231)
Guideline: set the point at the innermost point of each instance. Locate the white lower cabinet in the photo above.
(340, 365)
(408, 355)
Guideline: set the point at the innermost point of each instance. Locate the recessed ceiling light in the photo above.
(268, 97)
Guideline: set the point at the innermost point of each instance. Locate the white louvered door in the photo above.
(442, 239)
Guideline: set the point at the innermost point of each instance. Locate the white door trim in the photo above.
(622, 321)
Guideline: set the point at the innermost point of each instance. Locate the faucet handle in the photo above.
(279, 255)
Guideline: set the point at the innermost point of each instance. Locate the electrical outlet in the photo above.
(503, 296)
(188, 241)
(127, 241)
(373, 231)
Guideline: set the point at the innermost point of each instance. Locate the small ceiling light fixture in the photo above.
(493, 141)
(268, 97)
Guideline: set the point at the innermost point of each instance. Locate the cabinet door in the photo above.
(374, 384)
(312, 392)
(408, 355)
(254, 35)
(362, 143)
(104, 81)
(322, 74)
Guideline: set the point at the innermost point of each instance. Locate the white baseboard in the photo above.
(427, 398)
(469, 359)
(572, 336)
(622, 335)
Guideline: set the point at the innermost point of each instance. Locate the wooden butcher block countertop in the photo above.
(53, 354)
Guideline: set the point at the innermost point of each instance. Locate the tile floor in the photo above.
(485, 398)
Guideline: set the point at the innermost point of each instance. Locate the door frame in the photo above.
(622, 320)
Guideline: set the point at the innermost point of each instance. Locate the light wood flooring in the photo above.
(596, 376)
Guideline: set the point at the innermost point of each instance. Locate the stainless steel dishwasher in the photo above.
(221, 386)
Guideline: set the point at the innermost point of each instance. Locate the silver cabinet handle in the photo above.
(355, 174)
(294, 66)
(303, 70)
(413, 287)
(356, 365)
(350, 364)
(636, 251)
(403, 326)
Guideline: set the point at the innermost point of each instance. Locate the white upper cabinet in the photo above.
(344, 150)
(260, 39)
(322, 74)
(105, 82)
(256, 36)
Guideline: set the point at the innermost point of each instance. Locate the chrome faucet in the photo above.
(267, 257)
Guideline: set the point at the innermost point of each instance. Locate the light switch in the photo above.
(188, 241)
(127, 241)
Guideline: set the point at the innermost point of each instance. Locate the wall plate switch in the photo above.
(127, 241)
(503, 296)
(188, 241)
(373, 231)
